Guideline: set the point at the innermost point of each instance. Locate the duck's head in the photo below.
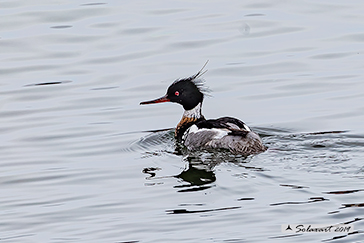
(188, 92)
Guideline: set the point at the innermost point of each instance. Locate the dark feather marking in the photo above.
(242, 133)
(221, 123)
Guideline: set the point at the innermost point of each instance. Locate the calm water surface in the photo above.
(80, 161)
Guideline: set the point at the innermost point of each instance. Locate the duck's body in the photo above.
(223, 133)
(195, 132)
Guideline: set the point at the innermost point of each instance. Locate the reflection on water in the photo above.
(318, 152)
(310, 200)
(183, 211)
(199, 173)
(197, 176)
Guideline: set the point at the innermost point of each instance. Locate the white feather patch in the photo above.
(233, 126)
(219, 132)
(193, 129)
(193, 113)
(247, 128)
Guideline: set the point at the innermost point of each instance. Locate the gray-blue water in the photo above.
(79, 165)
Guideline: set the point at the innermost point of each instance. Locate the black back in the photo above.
(224, 122)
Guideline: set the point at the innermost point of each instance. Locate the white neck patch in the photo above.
(194, 113)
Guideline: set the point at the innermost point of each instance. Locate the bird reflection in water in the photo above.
(199, 176)
(199, 173)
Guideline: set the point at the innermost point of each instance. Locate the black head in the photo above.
(187, 92)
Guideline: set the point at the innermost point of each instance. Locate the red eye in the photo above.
(176, 93)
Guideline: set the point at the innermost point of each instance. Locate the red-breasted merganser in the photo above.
(195, 132)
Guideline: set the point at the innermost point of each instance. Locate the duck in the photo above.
(196, 132)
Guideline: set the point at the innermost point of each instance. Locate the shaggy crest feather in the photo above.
(196, 80)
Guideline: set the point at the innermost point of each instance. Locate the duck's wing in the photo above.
(223, 133)
(233, 125)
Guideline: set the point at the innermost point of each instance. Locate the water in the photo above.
(79, 165)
